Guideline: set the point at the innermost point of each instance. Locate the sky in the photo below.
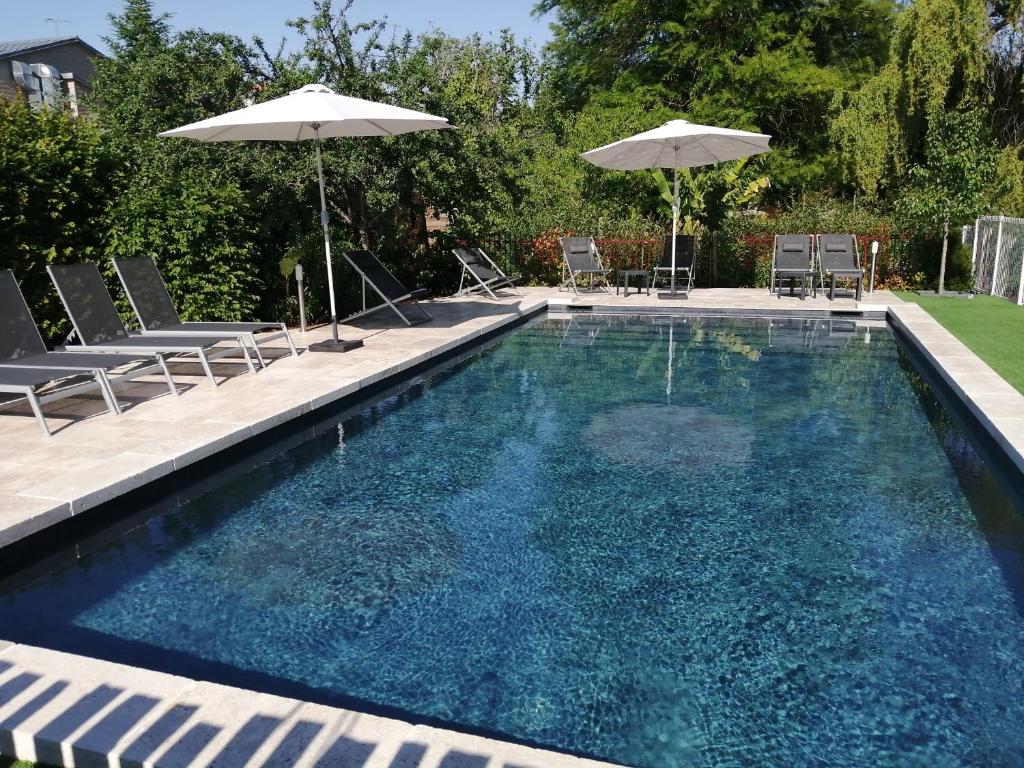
(88, 18)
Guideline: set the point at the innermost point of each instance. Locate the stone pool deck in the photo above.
(72, 710)
(61, 709)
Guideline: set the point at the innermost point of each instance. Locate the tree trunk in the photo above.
(942, 261)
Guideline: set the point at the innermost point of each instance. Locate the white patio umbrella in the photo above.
(312, 112)
(678, 144)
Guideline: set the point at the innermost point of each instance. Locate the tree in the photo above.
(60, 176)
(937, 63)
(947, 187)
(183, 203)
(741, 63)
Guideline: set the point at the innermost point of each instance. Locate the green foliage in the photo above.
(741, 63)
(937, 63)
(60, 176)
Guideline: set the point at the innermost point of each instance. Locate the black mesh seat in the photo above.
(791, 260)
(26, 364)
(685, 260)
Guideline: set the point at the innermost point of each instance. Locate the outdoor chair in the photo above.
(684, 265)
(791, 260)
(392, 293)
(98, 326)
(152, 303)
(485, 276)
(22, 346)
(839, 257)
(580, 258)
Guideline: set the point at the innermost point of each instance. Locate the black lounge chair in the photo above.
(686, 256)
(581, 258)
(22, 346)
(152, 303)
(481, 268)
(98, 326)
(839, 257)
(791, 260)
(391, 291)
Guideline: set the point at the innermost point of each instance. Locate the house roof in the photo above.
(11, 48)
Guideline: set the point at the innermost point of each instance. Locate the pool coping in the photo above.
(60, 682)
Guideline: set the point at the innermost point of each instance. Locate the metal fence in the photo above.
(998, 257)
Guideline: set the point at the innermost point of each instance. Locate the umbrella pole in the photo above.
(325, 218)
(675, 223)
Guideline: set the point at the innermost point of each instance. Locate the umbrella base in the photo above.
(673, 295)
(335, 346)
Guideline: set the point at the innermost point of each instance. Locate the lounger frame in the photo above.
(242, 335)
(778, 274)
(154, 348)
(664, 264)
(36, 399)
(409, 296)
(594, 270)
(856, 273)
(499, 281)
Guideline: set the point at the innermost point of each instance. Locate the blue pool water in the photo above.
(663, 542)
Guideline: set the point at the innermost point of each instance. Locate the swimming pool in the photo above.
(660, 541)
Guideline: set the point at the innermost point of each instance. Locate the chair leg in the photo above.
(288, 338)
(167, 375)
(246, 355)
(206, 367)
(34, 403)
(256, 351)
(108, 393)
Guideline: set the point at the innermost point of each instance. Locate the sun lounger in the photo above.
(791, 260)
(22, 346)
(393, 294)
(98, 326)
(685, 262)
(153, 306)
(485, 276)
(839, 257)
(580, 258)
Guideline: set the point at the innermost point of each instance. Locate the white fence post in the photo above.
(995, 260)
(974, 247)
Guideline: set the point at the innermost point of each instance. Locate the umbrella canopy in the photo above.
(678, 144)
(311, 112)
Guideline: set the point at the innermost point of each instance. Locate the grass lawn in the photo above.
(993, 328)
